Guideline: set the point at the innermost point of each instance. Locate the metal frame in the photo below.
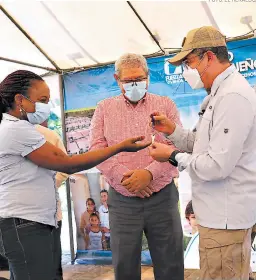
(144, 24)
(29, 64)
(29, 37)
(162, 51)
(67, 32)
(209, 14)
(69, 204)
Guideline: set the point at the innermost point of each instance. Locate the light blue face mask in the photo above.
(135, 91)
(41, 113)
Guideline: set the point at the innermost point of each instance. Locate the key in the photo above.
(153, 138)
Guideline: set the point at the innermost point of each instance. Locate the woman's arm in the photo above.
(50, 157)
(82, 225)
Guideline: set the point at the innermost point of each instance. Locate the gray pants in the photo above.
(159, 218)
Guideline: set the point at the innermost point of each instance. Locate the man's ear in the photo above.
(148, 81)
(116, 77)
(211, 56)
(119, 84)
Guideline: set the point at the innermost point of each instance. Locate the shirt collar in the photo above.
(8, 117)
(220, 78)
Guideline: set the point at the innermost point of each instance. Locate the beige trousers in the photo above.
(254, 228)
(224, 254)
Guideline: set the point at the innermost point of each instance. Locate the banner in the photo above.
(83, 90)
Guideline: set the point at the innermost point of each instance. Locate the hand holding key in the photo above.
(161, 123)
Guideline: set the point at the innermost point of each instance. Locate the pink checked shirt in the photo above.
(114, 120)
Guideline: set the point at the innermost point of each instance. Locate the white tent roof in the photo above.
(88, 33)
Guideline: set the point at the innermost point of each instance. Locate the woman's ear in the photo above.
(18, 100)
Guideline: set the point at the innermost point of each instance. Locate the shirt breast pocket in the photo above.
(203, 133)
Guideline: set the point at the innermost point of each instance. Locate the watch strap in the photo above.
(172, 158)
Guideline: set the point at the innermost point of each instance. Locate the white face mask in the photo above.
(135, 91)
(193, 78)
(41, 114)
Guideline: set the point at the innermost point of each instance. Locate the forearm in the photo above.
(183, 139)
(91, 159)
(54, 159)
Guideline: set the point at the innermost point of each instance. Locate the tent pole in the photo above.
(242, 37)
(144, 24)
(69, 206)
(210, 15)
(28, 37)
(29, 64)
(67, 32)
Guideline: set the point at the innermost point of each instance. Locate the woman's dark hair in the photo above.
(17, 82)
(92, 201)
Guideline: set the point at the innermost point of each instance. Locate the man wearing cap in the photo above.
(219, 154)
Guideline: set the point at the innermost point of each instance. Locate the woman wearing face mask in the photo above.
(27, 185)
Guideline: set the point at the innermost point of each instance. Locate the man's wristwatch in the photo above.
(172, 159)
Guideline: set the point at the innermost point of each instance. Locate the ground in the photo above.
(90, 272)
(81, 272)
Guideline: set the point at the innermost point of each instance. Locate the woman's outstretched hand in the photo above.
(131, 145)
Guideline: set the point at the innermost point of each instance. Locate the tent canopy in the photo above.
(67, 35)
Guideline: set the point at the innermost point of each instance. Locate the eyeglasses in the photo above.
(189, 60)
(134, 81)
(186, 62)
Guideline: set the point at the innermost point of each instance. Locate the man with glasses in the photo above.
(142, 196)
(219, 154)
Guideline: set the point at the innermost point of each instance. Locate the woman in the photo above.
(27, 187)
(85, 218)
